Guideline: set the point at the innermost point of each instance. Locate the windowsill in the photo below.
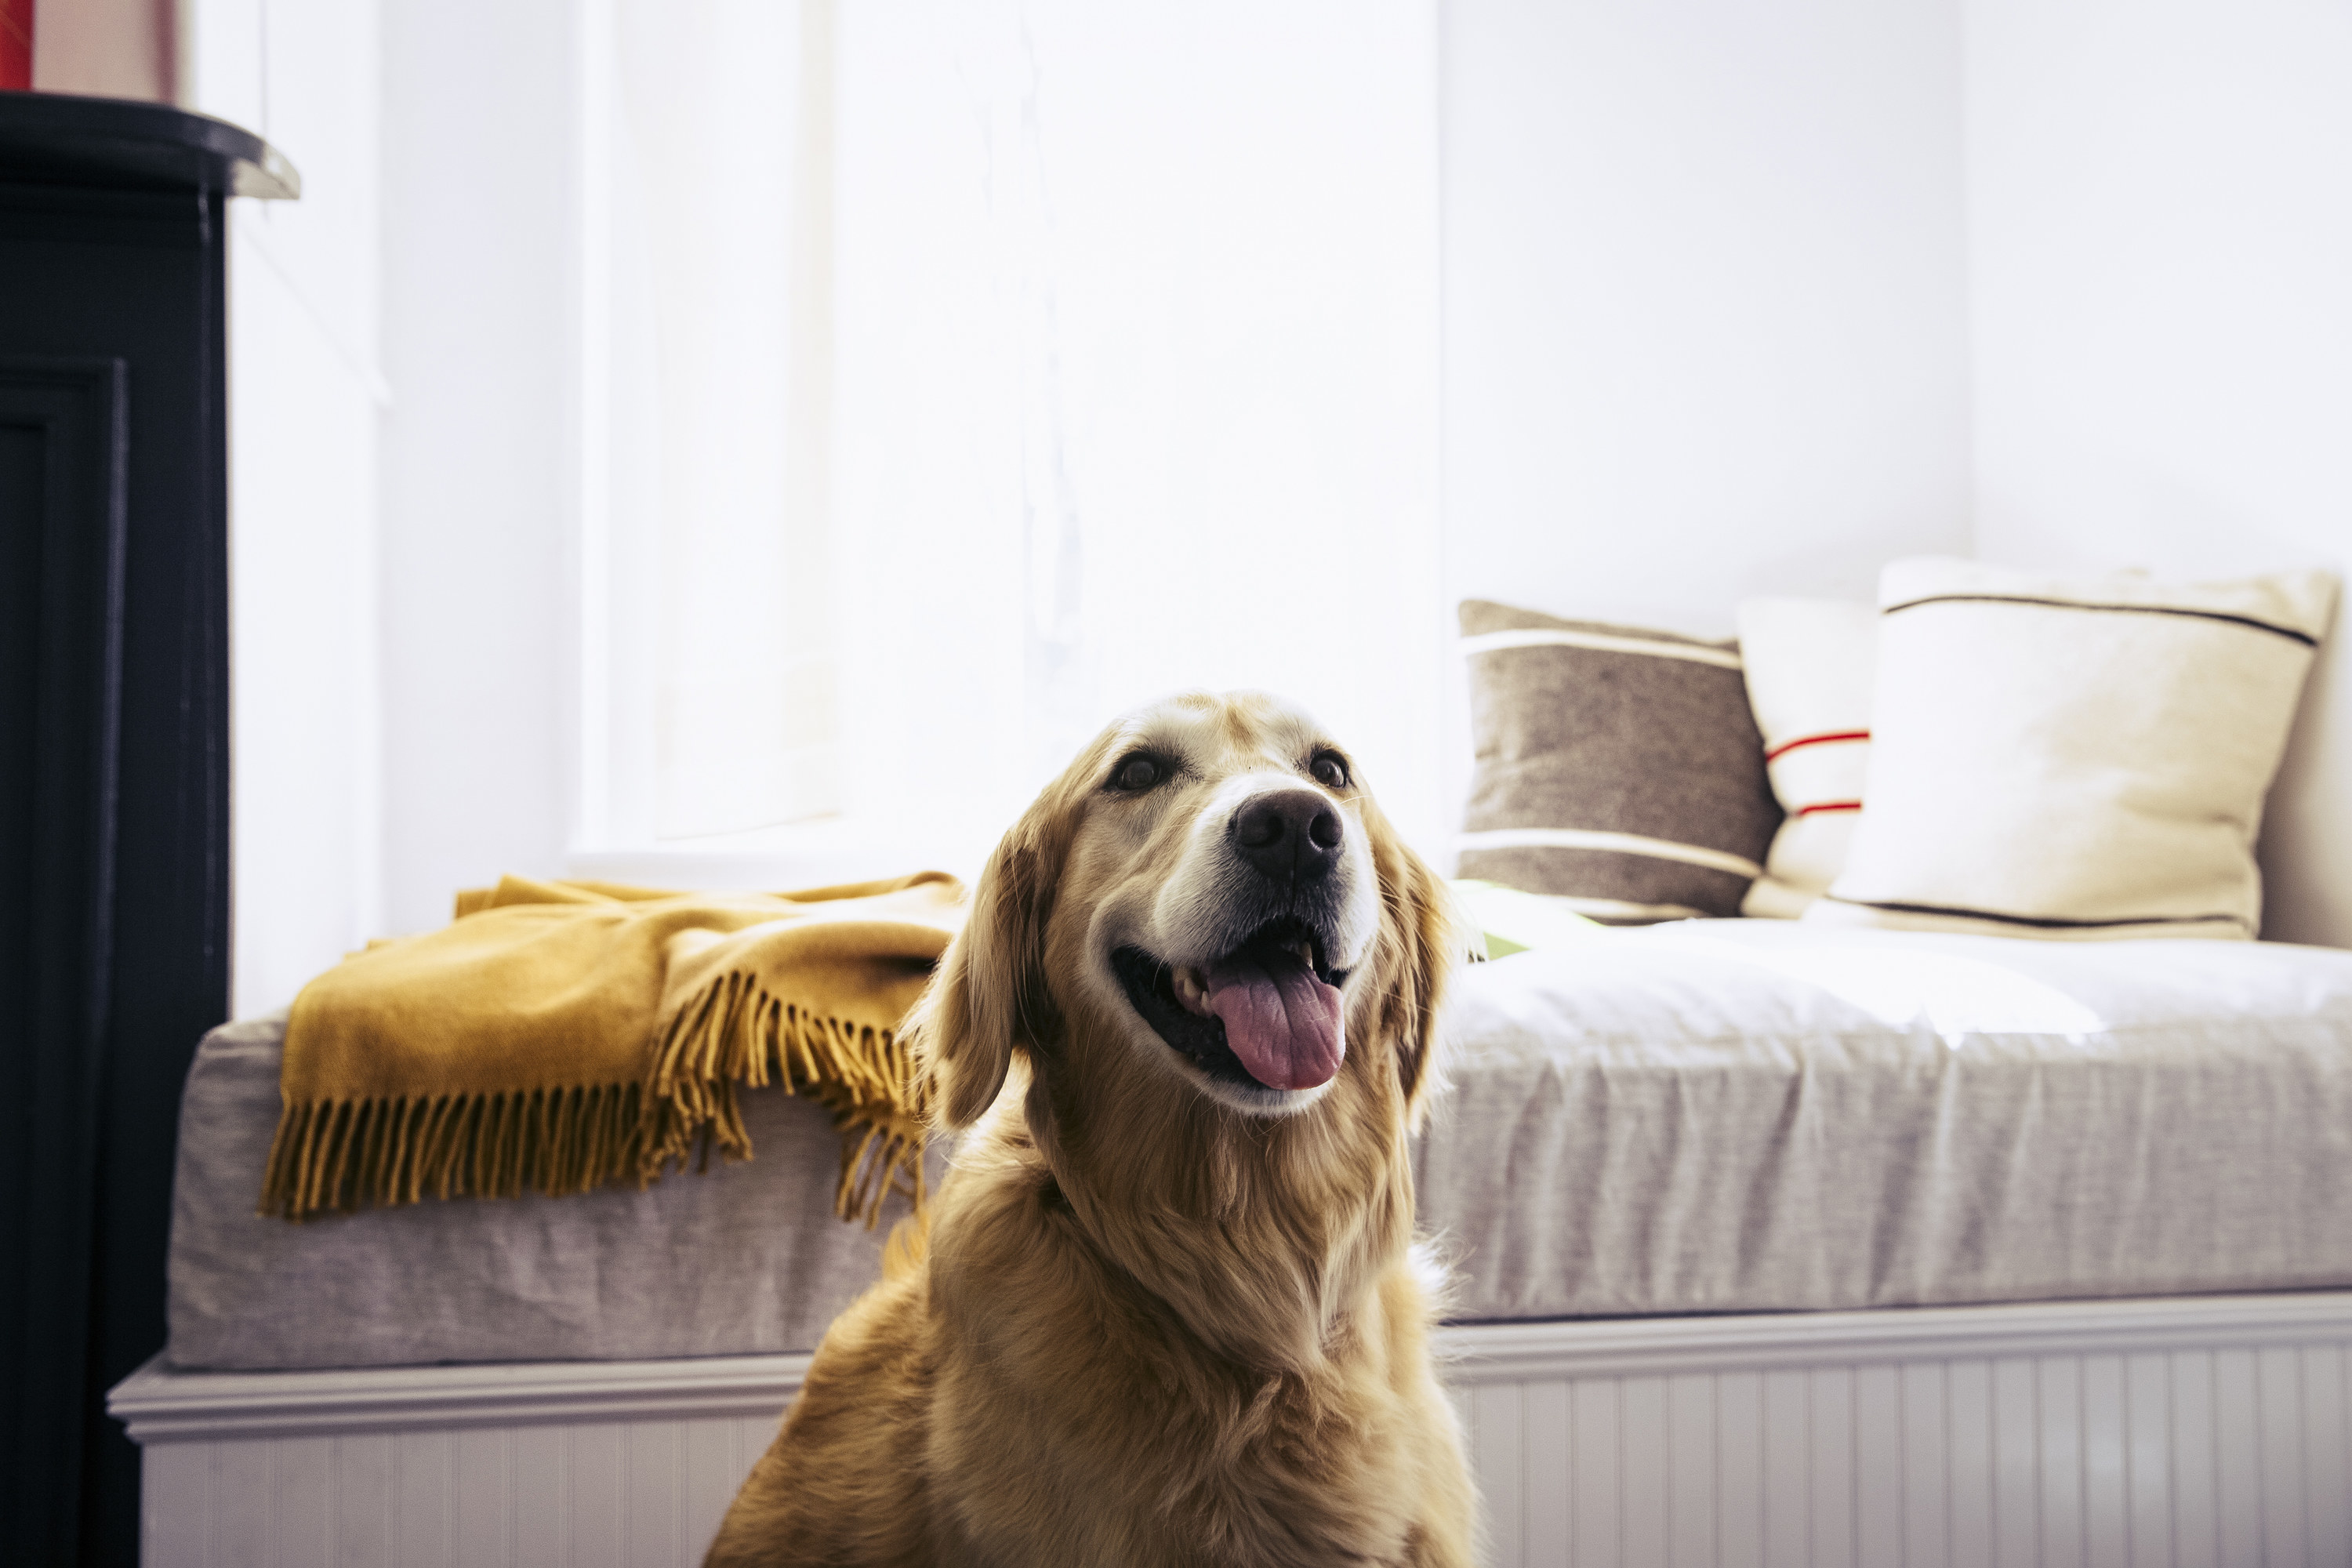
(812, 854)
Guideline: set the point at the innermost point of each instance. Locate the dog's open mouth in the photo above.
(1267, 1012)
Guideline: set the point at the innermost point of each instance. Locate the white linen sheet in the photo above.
(1718, 1116)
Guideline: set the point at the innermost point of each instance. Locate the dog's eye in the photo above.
(1329, 770)
(1139, 772)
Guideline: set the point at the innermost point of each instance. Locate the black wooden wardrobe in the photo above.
(114, 766)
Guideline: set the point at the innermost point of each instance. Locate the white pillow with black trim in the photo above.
(1618, 768)
(2072, 757)
(1810, 666)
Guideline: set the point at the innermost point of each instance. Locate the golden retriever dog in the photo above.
(1167, 1311)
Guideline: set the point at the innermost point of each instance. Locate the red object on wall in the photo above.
(16, 44)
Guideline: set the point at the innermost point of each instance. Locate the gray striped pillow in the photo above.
(1618, 768)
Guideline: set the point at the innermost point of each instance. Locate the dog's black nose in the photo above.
(1291, 835)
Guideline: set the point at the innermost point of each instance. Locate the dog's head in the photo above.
(1207, 904)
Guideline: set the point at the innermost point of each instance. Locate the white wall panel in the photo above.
(2103, 1459)
(483, 1509)
(1498, 1442)
(1544, 1509)
(596, 1501)
(2148, 1437)
(306, 396)
(2058, 1395)
(2327, 1447)
(2105, 1534)
(614, 1494)
(1690, 1499)
(301, 1477)
(2183, 1434)
(1786, 1524)
(1594, 1473)
(1878, 1465)
(243, 1499)
(1739, 1472)
(2195, 1538)
(1831, 1414)
(2278, 1402)
(175, 1486)
(2016, 1462)
(1968, 1389)
(2092, 1456)
(541, 1482)
(477, 460)
(2237, 1435)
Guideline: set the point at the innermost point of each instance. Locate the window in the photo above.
(957, 374)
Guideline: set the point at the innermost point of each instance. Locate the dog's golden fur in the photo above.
(1149, 1328)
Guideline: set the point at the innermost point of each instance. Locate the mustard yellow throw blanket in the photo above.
(560, 1036)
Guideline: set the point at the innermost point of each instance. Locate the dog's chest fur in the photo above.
(1140, 1444)
(1122, 1471)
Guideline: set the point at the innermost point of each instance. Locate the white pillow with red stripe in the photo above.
(1811, 664)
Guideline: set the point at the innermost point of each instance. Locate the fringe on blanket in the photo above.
(735, 1031)
(342, 1155)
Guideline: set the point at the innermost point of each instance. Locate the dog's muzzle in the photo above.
(1267, 1011)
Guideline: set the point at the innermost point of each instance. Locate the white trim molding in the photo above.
(1633, 1347)
(158, 1404)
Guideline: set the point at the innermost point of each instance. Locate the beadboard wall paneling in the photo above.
(2161, 1434)
(602, 1494)
(2218, 1455)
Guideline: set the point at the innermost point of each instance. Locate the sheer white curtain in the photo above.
(1132, 342)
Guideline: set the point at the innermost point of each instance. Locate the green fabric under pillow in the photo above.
(1512, 921)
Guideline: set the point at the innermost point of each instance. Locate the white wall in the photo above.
(1705, 315)
(1137, 332)
(1705, 305)
(477, 467)
(305, 396)
(2160, 203)
(400, 465)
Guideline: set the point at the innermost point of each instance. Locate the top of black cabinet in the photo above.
(60, 137)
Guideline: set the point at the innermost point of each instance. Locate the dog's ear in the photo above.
(989, 994)
(1426, 938)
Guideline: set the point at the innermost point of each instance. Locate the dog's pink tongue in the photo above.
(1281, 1020)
